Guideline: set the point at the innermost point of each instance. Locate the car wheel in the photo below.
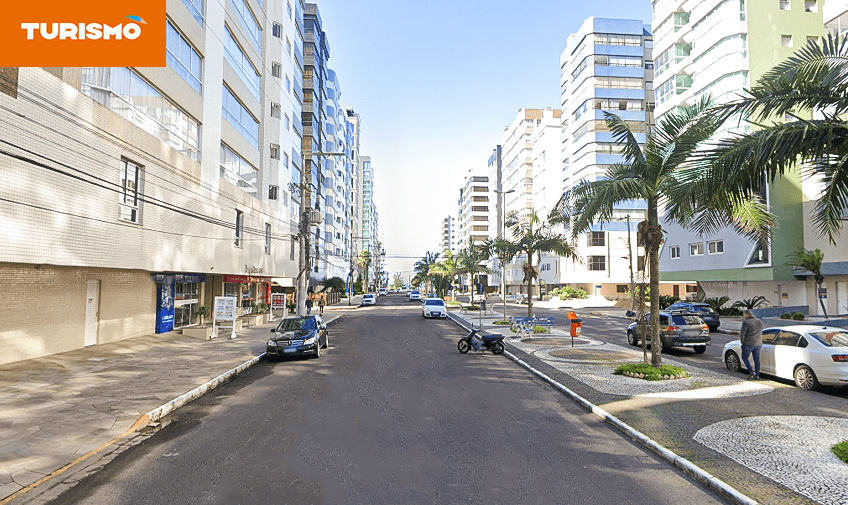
(731, 361)
(327, 340)
(462, 346)
(497, 348)
(631, 339)
(317, 350)
(805, 378)
(700, 349)
(713, 329)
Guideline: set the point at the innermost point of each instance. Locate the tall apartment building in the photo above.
(720, 48)
(370, 234)
(355, 209)
(475, 210)
(450, 239)
(606, 68)
(152, 190)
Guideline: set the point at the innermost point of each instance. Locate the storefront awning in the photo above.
(286, 282)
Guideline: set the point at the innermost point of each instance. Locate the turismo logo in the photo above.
(57, 33)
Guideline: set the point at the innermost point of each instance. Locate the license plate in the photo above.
(290, 350)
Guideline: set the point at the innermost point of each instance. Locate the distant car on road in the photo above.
(414, 295)
(707, 313)
(369, 299)
(478, 298)
(383, 291)
(298, 335)
(809, 355)
(677, 329)
(434, 307)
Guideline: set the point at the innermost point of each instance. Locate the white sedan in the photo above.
(434, 307)
(809, 355)
(369, 299)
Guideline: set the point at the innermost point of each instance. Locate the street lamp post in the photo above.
(501, 233)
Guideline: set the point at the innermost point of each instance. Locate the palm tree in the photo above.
(364, 262)
(530, 237)
(422, 268)
(661, 174)
(814, 78)
(811, 261)
(449, 267)
(470, 262)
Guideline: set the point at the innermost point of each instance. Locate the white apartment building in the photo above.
(450, 239)
(151, 190)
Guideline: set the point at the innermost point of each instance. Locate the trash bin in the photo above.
(576, 327)
(483, 306)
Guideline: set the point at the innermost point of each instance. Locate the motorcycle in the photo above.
(479, 342)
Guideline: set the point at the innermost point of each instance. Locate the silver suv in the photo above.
(677, 329)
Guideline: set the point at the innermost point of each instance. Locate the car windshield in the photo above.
(831, 338)
(682, 320)
(297, 323)
(434, 302)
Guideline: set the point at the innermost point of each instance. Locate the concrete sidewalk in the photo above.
(54, 410)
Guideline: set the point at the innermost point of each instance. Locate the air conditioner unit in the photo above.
(315, 217)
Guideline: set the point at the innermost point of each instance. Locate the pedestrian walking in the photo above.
(308, 305)
(321, 304)
(751, 335)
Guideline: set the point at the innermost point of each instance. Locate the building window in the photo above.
(691, 288)
(597, 239)
(267, 238)
(289, 9)
(275, 151)
(183, 58)
(276, 69)
(248, 21)
(621, 288)
(715, 247)
(675, 252)
(237, 115)
(696, 249)
(786, 40)
(288, 46)
(196, 9)
(785, 5)
(277, 30)
(276, 110)
(241, 64)
(237, 171)
(130, 203)
(597, 263)
(125, 92)
(273, 192)
(286, 160)
(288, 84)
(239, 228)
(810, 6)
(291, 252)
(287, 122)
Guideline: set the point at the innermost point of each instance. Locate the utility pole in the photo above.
(630, 262)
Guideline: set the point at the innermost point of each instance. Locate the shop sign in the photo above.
(278, 301)
(158, 278)
(245, 279)
(164, 303)
(252, 270)
(224, 309)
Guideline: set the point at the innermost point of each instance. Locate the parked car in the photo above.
(478, 298)
(434, 307)
(707, 313)
(369, 299)
(383, 292)
(677, 329)
(809, 355)
(414, 295)
(298, 335)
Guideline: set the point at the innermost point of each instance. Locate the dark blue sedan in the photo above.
(706, 312)
(296, 335)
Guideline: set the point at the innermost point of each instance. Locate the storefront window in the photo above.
(186, 301)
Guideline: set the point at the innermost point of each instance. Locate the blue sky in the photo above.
(435, 84)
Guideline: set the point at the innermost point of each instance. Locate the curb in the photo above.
(727, 332)
(697, 473)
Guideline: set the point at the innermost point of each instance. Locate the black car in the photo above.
(295, 336)
(677, 329)
(706, 312)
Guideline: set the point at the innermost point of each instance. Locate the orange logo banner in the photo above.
(89, 33)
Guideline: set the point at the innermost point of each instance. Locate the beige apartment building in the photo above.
(132, 196)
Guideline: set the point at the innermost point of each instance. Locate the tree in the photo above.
(441, 284)
(717, 302)
(811, 261)
(470, 262)
(336, 283)
(422, 269)
(449, 267)
(530, 237)
(364, 262)
(661, 174)
(814, 78)
(397, 281)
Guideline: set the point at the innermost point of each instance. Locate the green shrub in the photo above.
(729, 311)
(841, 451)
(453, 304)
(581, 294)
(501, 323)
(786, 315)
(472, 307)
(666, 301)
(650, 372)
(798, 316)
(540, 329)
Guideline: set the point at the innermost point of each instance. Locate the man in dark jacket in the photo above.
(751, 335)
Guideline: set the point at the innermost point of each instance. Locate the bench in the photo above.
(525, 324)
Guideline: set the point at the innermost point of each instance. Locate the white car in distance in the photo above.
(414, 295)
(369, 299)
(809, 355)
(434, 307)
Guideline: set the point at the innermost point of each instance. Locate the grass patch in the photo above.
(841, 451)
(540, 329)
(453, 304)
(649, 372)
(501, 323)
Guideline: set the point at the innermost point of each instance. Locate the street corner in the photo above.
(794, 451)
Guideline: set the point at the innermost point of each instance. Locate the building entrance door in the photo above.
(842, 297)
(92, 312)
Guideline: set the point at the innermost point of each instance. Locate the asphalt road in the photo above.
(391, 414)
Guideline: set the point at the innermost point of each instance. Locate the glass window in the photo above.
(786, 40)
(785, 5)
(787, 338)
(183, 58)
(126, 93)
(769, 336)
(696, 249)
(838, 338)
(715, 247)
(248, 21)
(276, 110)
(597, 239)
(196, 9)
(241, 64)
(675, 252)
(276, 69)
(237, 171)
(597, 263)
(237, 115)
(277, 30)
(810, 6)
(239, 228)
(130, 203)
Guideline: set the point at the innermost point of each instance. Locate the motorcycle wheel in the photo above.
(463, 346)
(497, 348)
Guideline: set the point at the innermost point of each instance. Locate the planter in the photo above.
(251, 320)
(201, 332)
